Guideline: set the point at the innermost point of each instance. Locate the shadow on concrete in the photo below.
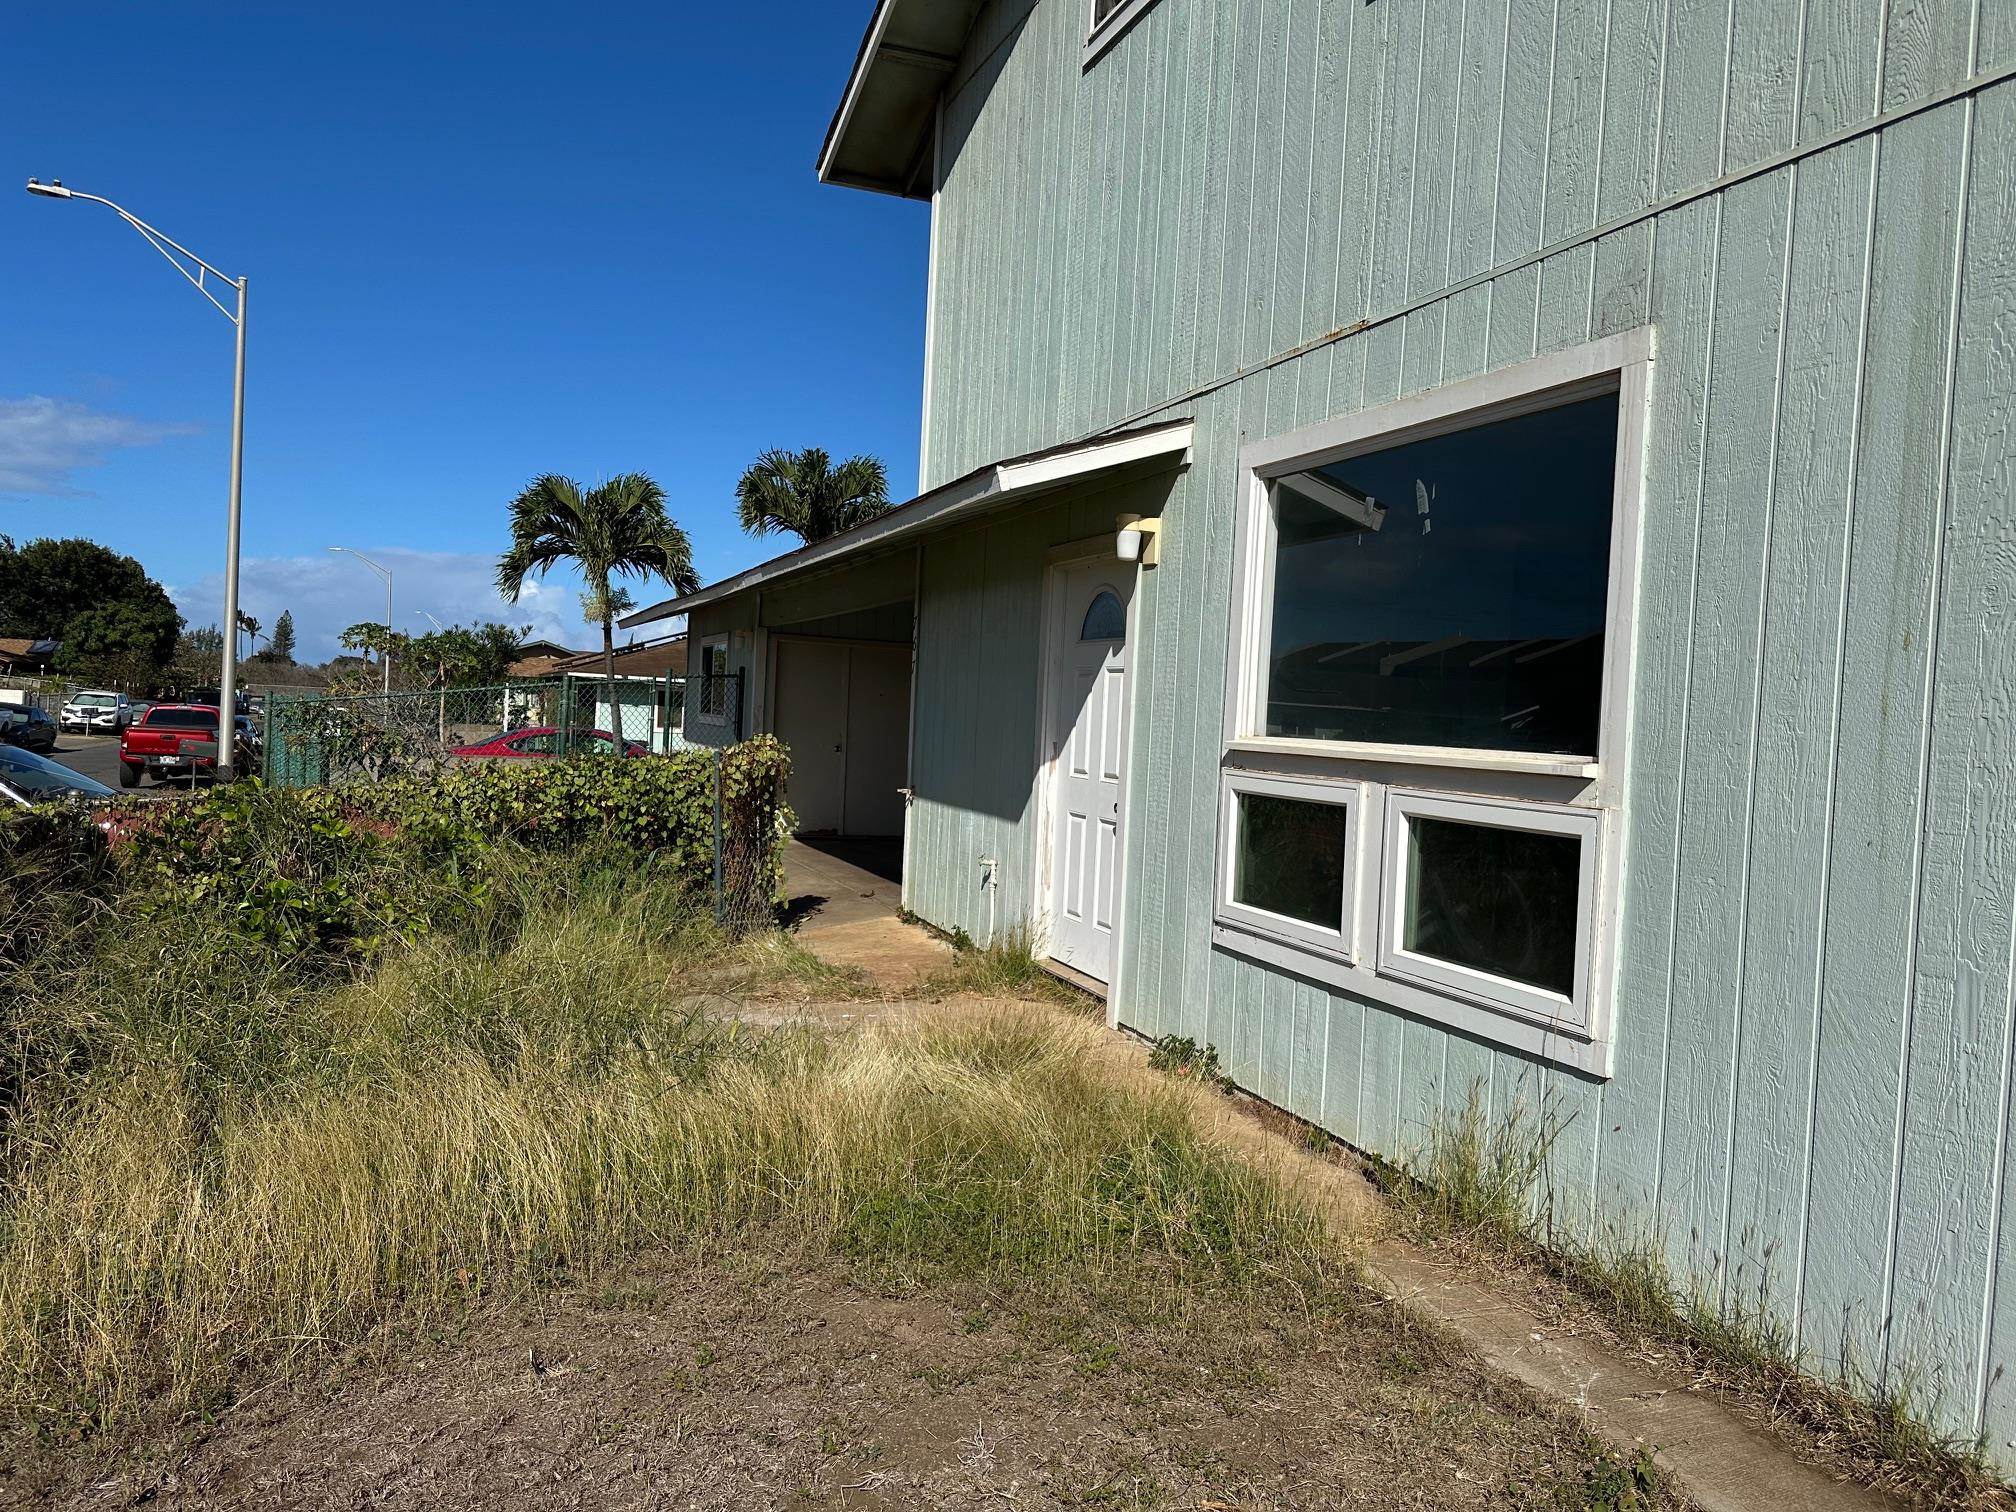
(880, 856)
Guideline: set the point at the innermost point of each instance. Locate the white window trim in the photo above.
(1587, 789)
(1570, 1013)
(1100, 35)
(1617, 363)
(1340, 943)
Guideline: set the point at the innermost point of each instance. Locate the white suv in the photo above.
(96, 712)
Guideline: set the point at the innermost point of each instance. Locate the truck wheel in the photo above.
(129, 775)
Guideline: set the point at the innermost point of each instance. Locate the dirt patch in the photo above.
(730, 1384)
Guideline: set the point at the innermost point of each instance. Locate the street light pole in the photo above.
(175, 252)
(385, 573)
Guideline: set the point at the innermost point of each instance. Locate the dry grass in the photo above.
(492, 1107)
(1479, 1182)
(1009, 968)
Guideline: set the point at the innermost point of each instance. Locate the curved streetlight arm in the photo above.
(159, 240)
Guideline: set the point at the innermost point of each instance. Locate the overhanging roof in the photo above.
(881, 134)
(988, 488)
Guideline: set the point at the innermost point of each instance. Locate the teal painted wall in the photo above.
(1813, 1031)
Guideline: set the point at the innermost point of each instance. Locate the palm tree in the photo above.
(615, 529)
(804, 494)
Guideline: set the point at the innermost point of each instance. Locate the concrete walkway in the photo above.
(845, 900)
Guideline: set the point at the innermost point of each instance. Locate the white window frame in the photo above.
(1100, 35)
(1583, 790)
(1570, 1012)
(1340, 943)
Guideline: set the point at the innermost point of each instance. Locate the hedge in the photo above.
(324, 869)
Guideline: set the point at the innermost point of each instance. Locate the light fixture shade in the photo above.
(1137, 538)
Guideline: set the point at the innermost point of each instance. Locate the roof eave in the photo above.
(881, 134)
(997, 484)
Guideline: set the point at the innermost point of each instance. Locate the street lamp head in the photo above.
(50, 191)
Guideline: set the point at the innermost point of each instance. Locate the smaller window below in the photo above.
(1499, 901)
(1290, 859)
(1105, 618)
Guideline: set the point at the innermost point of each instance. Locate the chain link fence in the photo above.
(345, 738)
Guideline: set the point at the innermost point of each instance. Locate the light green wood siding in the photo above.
(1813, 1034)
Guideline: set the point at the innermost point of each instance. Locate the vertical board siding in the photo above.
(1892, 553)
(1810, 1099)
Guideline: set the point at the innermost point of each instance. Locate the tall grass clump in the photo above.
(240, 1167)
(1009, 968)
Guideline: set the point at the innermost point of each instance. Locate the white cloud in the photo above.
(43, 441)
(327, 593)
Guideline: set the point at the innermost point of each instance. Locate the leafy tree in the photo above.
(280, 644)
(126, 641)
(115, 622)
(471, 656)
(47, 583)
(615, 529)
(197, 658)
(803, 494)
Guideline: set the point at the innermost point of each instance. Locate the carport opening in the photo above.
(840, 699)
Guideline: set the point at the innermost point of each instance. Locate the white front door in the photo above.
(1088, 746)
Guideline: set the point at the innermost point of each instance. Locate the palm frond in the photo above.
(804, 494)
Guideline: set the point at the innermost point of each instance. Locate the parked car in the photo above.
(96, 711)
(546, 740)
(211, 695)
(28, 727)
(27, 779)
(177, 740)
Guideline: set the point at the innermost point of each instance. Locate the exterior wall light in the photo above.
(1140, 540)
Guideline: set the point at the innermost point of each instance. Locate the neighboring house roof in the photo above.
(537, 657)
(652, 658)
(15, 648)
(881, 136)
(984, 489)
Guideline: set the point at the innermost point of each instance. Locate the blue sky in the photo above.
(483, 243)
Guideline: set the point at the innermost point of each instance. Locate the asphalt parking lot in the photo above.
(93, 755)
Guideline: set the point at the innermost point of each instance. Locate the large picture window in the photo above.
(1448, 591)
(1429, 666)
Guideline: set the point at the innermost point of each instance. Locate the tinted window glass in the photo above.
(180, 719)
(1105, 618)
(1449, 591)
(1495, 900)
(1291, 858)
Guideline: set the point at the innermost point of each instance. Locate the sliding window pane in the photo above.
(1291, 858)
(1449, 591)
(1496, 900)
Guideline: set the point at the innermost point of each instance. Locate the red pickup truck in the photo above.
(174, 740)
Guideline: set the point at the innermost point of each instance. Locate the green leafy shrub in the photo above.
(661, 805)
(287, 868)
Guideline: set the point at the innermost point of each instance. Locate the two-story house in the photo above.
(1467, 551)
